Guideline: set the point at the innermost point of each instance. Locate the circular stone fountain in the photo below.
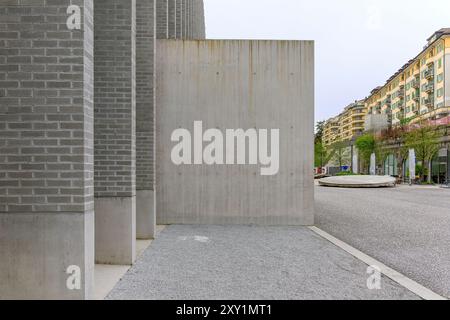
(359, 182)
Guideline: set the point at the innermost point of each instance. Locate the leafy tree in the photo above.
(320, 126)
(321, 155)
(338, 150)
(425, 141)
(366, 145)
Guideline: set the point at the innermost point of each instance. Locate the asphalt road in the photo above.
(406, 228)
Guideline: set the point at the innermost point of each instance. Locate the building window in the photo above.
(440, 77)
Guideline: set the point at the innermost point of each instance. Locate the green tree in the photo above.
(320, 126)
(321, 155)
(425, 142)
(366, 145)
(338, 150)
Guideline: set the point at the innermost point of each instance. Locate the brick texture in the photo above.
(185, 19)
(179, 20)
(172, 19)
(46, 107)
(115, 98)
(145, 99)
(162, 19)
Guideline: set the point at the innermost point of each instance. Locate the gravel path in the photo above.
(247, 263)
(407, 228)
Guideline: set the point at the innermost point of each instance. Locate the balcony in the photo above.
(416, 83)
(400, 94)
(416, 98)
(429, 74)
(429, 87)
(429, 102)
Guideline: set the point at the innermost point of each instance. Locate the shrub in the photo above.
(346, 173)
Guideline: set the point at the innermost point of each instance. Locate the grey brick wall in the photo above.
(191, 18)
(115, 98)
(46, 108)
(162, 19)
(185, 19)
(179, 15)
(145, 55)
(198, 21)
(172, 19)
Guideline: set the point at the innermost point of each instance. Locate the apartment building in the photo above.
(347, 125)
(331, 132)
(420, 90)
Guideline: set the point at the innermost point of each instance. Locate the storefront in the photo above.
(440, 167)
(390, 166)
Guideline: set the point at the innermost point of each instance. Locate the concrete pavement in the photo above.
(243, 262)
(407, 228)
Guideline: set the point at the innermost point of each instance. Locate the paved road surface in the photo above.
(406, 228)
(241, 263)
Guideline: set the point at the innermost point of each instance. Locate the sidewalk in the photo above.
(248, 263)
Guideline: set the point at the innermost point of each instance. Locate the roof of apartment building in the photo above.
(356, 104)
(431, 40)
(439, 33)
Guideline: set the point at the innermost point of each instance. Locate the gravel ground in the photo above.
(243, 262)
(406, 228)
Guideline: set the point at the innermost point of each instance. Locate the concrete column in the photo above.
(46, 150)
(145, 101)
(115, 131)
(172, 19)
(162, 19)
(355, 160)
(179, 15)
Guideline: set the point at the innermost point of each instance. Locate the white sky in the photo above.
(359, 43)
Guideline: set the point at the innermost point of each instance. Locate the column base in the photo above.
(115, 230)
(38, 249)
(145, 215)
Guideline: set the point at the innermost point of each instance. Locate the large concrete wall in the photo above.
(46, 150)
(232, 85)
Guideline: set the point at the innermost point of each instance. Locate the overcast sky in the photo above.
(359, 43)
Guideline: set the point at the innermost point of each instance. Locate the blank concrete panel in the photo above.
(229, 85)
